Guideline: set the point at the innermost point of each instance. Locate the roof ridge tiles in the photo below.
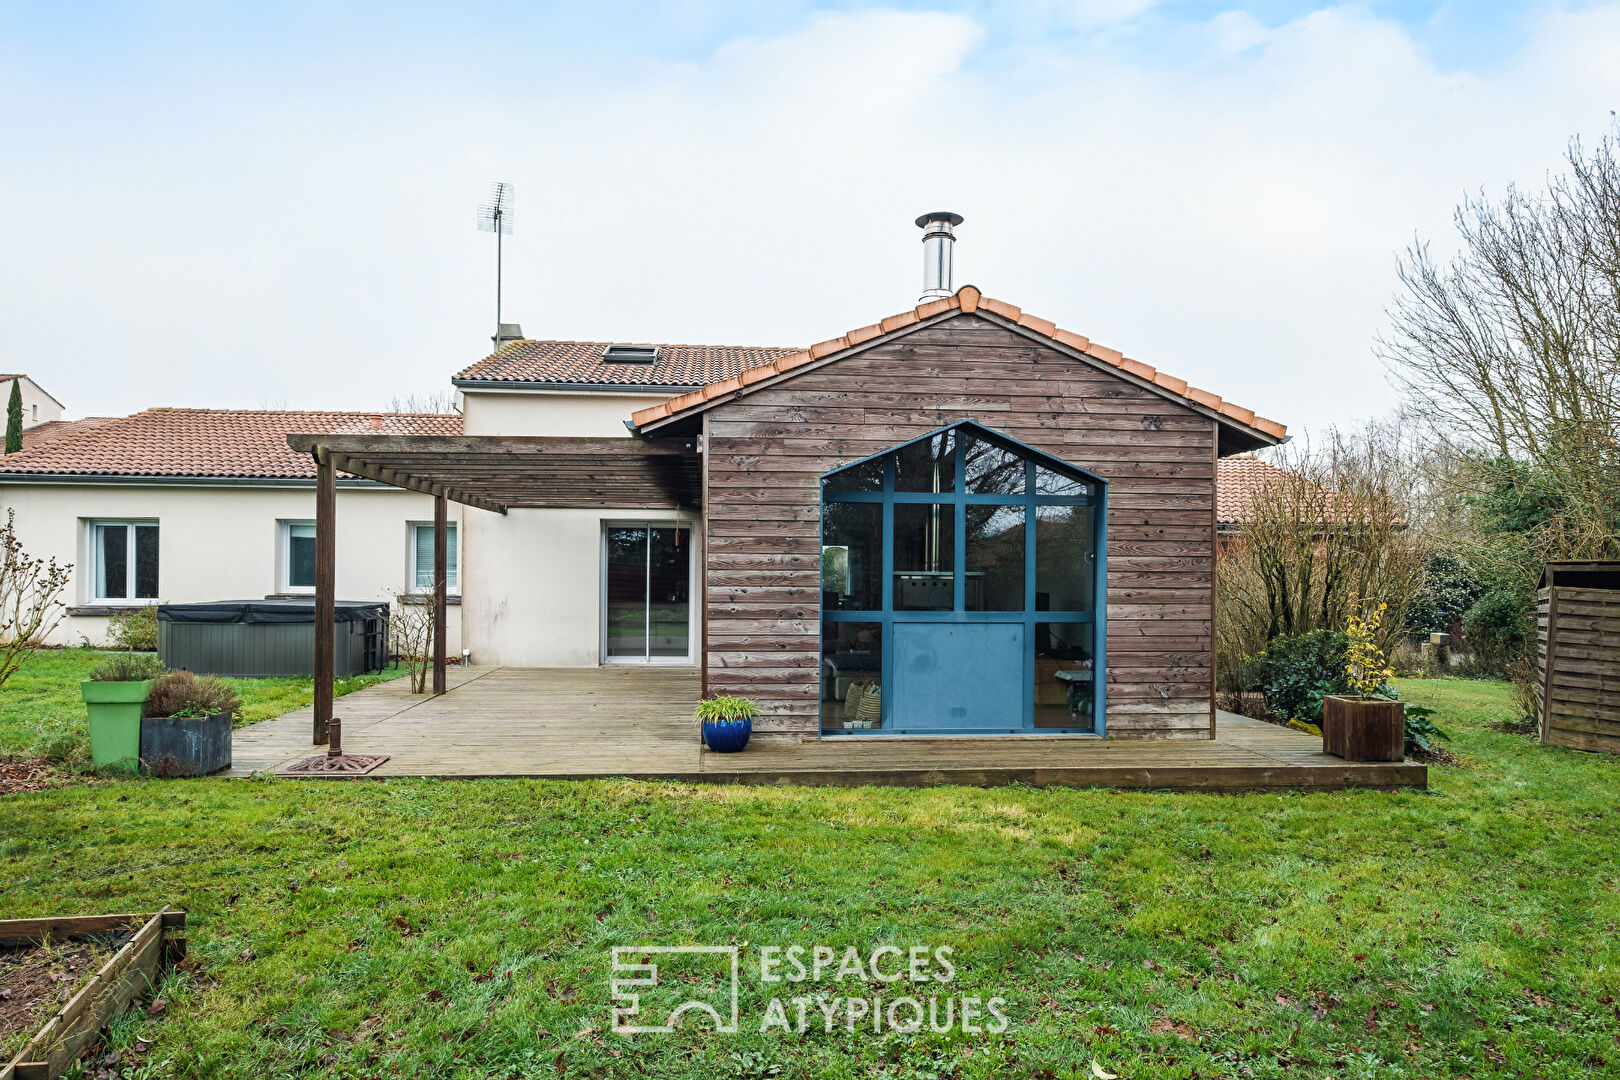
(967, 299)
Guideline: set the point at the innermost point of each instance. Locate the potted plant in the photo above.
(1371, 725)
(187, 727)
(113, 696)
(727, 723)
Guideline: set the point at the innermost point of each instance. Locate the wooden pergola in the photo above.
(490, 472)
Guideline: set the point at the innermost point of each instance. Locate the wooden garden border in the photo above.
(160, 942)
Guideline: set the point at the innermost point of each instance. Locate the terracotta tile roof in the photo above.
(581, 362)
(966, 299)
(1237, 481)
(209, 442)
(40, 434)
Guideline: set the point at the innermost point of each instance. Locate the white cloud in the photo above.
(1106, 12)
(1233, 218)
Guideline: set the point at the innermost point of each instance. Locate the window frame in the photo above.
(93, 531)
(284, 583)
(959, 499)
(452, 565)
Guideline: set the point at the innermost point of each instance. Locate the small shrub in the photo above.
(135, 630)
(1295, 673)
(1421, 734)
(1365, 668)
(181, 694)
(127, 667)
(725, 708)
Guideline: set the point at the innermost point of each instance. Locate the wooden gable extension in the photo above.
(766, 451)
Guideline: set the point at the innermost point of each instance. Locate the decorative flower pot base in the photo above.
(727, 736)
(1363, 729)
(175, 746)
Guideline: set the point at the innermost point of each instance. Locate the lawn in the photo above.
(464, 928)
(42, 713)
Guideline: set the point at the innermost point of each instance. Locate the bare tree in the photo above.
(1510, 352)
(410, 632)
(30, 598)
(1334, 524)
(439, 401)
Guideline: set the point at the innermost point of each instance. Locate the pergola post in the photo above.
(441, 529)
(325, 588)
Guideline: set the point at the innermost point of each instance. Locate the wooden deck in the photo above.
(636, 722)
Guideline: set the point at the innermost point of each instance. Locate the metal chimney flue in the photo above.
(939, 240)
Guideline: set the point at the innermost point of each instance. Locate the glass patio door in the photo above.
(647, 579)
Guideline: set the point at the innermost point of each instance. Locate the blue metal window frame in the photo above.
(959, 499)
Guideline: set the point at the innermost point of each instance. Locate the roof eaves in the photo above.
(969, 299)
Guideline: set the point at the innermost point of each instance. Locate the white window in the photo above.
(298, 556)
(124, 558)
(422, 557)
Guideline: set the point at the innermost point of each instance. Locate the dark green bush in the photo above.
(1295, 673)
(135, 630)
(127, 667)
(1449, 588)
(1496, 629)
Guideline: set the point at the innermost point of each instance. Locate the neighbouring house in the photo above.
(958, 520)
(187, 505)
(38, 407)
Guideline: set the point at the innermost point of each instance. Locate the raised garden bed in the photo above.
(109, 960)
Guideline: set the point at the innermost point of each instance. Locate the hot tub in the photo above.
(249, 638)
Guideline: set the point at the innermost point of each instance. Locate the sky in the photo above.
(273, 205)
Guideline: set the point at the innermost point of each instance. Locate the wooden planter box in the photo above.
(159, 943)
(1360, 729)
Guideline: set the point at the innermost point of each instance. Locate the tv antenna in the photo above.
(495, 216)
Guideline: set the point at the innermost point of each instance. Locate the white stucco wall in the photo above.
(532, 594)
(577, 413)
(222, 543)
(38, 407)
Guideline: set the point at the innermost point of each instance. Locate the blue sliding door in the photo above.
(962, 581)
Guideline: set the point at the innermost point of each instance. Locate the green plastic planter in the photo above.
(115, 722)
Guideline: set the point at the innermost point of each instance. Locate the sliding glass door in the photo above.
(647, 581)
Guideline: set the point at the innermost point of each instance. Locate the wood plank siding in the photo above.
(767, 450)
(1578, 667)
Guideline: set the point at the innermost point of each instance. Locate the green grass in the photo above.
(463, 928)
(42, 713)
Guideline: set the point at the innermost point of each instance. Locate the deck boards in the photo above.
(575, 723)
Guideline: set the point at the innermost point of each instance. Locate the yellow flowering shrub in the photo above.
(1363, 660)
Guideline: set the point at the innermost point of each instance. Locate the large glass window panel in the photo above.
(1065, 558)
(1051, 482)
(851, 676)
(301, 557)
(991, 469)
(1065, 671)
(668, 593)
(852, 556)
(626, 593)
(928, 465)
(924, 556)
(112, 561)
(867, 476)
(146, 562)
(994, 580)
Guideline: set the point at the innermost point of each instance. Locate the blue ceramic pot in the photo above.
(727, 736)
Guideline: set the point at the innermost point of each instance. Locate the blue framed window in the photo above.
(963, 580)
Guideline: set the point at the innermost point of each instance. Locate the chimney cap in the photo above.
(947, 216)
